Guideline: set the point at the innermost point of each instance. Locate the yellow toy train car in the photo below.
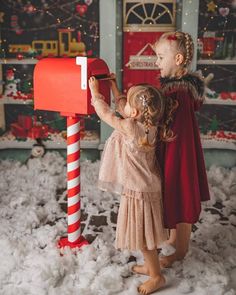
(64, 46)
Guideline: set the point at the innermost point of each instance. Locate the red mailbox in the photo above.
(61, 84)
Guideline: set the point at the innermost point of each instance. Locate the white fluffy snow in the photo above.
(31, 221)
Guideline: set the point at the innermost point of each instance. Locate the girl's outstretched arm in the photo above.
(105, 113)
(120, 99)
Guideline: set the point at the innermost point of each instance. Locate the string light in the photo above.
(50, 10)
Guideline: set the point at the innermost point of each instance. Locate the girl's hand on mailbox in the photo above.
(93, 85)
(114, 88)
(112, 77)
(112, 80)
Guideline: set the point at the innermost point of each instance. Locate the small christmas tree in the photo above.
(26, 87)
(214, 124)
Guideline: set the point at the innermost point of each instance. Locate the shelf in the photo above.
(207, 143)
(9, 142)
(217, 144)
(13, 144)
(220, 101)
(15, 61)
(10, 100)
(210, 141)
(216, 62)
(199, 62)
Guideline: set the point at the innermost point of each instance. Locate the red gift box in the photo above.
(25, 121)
(18, 131)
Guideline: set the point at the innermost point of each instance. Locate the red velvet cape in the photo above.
(182, 162)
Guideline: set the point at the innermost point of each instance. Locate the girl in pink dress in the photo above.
(182, 162)
(129, 168)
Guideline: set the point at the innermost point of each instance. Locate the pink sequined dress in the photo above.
(130, 170)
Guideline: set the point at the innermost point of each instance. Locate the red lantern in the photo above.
(208, 46)
(81, 9)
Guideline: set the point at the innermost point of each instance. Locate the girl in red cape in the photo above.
(182, 162)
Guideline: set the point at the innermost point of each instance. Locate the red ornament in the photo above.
(224, 11)
(90, 52)
(19, 31)
(14, 21)
(88, 2)
(29, 9)
(20, 56)
(233, 95)
(14, 25)
(221, 134)
(225, 95)
(81, 9)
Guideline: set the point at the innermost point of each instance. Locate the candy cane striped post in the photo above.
(74, 239)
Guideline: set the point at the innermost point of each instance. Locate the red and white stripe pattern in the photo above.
(73, 179)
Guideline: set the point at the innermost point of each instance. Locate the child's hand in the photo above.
(113, 80)
(93, 85)
(114, 88)
(113, 77)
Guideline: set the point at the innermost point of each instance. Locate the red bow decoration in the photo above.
(172, 38)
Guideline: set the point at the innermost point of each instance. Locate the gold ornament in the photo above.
(211, 6)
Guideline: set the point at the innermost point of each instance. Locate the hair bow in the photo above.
(172, 38)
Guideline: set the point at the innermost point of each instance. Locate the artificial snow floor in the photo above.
(32, 219)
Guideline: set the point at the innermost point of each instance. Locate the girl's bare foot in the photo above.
(152, 285)
(167, 261)
(140, 269)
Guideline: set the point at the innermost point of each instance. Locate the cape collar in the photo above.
(190, 82)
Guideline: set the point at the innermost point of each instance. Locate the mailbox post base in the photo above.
(63, 242)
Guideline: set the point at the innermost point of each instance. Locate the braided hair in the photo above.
(185, 46)
(151, 105)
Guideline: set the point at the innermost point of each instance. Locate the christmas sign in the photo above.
(143, 62)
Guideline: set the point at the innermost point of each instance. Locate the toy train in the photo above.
(65, 46)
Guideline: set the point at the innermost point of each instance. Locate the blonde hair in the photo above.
(185, 46)
(151, 104)
(164, 131)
